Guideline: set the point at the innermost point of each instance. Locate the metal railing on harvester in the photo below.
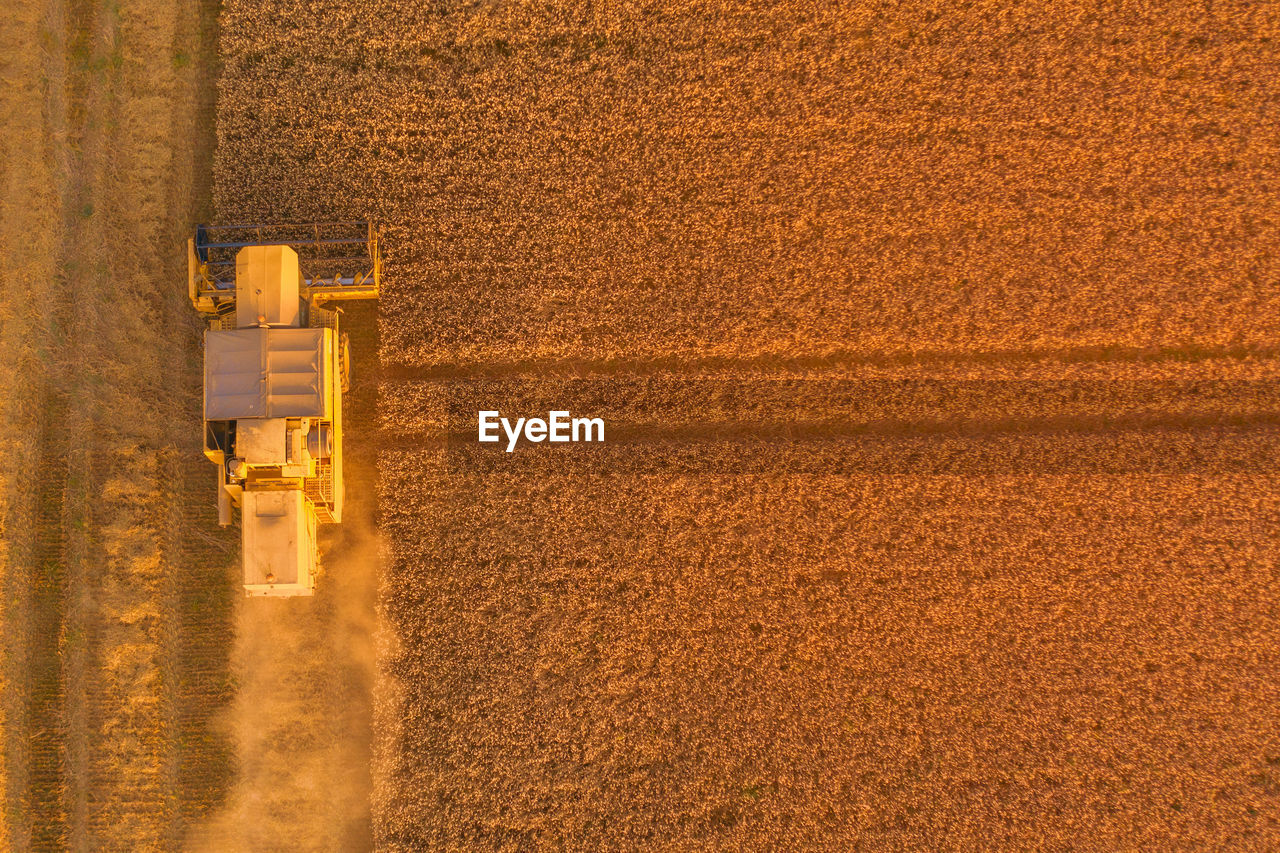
(338, 260)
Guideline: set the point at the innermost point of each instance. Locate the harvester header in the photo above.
(336, 260)
(276, 366)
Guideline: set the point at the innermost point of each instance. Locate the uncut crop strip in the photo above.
(205, 637)
(590, 646)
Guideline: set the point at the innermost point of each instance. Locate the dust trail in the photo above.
(302, 719)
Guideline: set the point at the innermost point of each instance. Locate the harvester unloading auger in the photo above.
(275, 367)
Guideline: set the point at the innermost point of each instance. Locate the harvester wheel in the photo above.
(344, 362)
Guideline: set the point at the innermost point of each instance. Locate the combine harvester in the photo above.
(275, 368)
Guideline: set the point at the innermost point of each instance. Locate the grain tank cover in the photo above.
(267, 282)
(268, 373)
(278, 538)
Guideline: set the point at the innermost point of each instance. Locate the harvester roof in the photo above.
(268, 373)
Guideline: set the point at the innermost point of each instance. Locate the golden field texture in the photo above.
(116, 598)
(764, 182)
(937, 348)
(829, 662)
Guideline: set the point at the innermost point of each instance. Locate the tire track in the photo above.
(56, 633)
(832, 362)
(46, 713)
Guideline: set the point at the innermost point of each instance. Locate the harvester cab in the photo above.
(276, 365)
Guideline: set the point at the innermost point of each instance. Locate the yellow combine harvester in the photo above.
(276, 365)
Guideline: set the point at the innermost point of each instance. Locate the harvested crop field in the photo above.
(115, 625)
(938, 353)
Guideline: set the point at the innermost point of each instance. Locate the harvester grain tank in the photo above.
(276, 364)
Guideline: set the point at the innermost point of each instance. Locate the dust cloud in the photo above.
(302, 718)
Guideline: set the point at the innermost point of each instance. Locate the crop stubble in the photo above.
(115, 590)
